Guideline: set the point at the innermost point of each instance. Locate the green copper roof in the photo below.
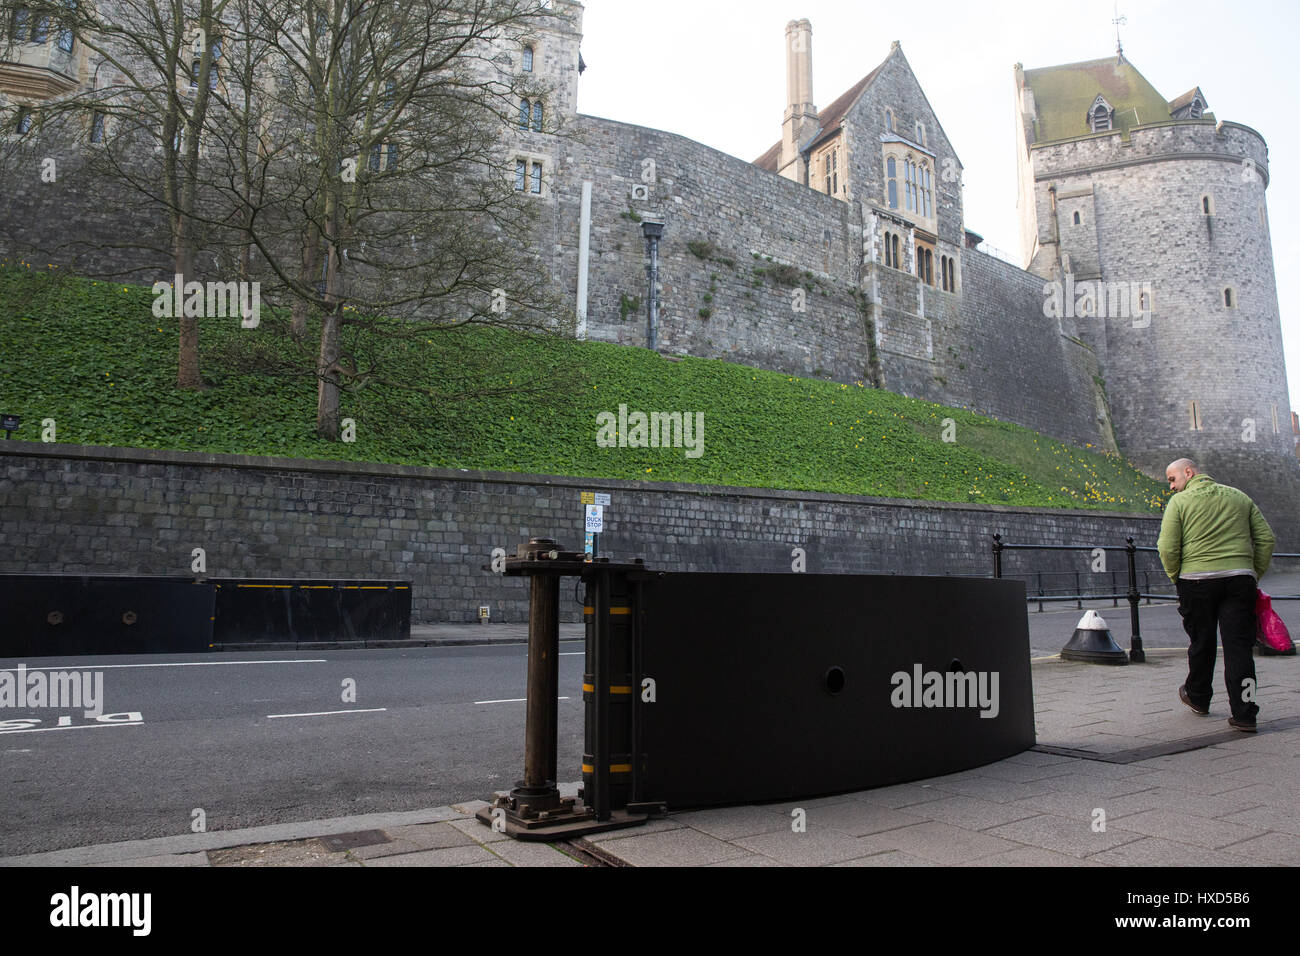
(1064, 94)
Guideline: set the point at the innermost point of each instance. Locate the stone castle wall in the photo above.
(83, 510)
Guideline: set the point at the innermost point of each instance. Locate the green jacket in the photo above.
(1212, 527)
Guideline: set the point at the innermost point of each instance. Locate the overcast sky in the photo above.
(715, 72)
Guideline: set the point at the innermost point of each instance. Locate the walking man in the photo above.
(1215, 545)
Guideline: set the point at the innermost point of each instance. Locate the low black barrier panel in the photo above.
(257, 610)
(781, 686)
(52, 615)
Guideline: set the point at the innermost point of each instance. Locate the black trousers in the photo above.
(1210, 606)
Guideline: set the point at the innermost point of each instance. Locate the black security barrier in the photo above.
(705, 689)
(262, 611)
(52, 615)
(784, 686)
(48, 615)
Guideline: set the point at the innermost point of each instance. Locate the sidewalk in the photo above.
(1123, 775)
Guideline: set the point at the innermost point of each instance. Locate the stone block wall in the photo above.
(79, 509)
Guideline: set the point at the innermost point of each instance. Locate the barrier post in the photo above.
(1135, 653)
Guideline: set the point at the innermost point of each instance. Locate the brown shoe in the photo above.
(1182, 695)
(1247, 726)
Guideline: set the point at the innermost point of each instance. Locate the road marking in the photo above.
(328, 713)
(104, 667)
(572, 653)
(510, 700)
(42, 730)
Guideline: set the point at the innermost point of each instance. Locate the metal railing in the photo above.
(1132, 594)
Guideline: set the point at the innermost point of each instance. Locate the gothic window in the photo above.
(920, 133)
(537, 179)
(392, 156)
(40, 28)
(1196, 109)
(21, 23)
(925, 265)
(1207, 205)
(889, 120)
(1229, 298)
(891, 173)
(948, 273)
(831, 159)
(528, 59)
(376, 158)
(1077, 219)
(892, 258)
(66, 39)
(24, 123)
(97, 126)
(525, 111)
(521, 175)
(927, 201)
(909, 188)
(537, 116)
(1100, 116)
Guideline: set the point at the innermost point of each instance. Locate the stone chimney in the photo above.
(800, 114)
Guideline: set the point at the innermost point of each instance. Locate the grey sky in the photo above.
(715, 72)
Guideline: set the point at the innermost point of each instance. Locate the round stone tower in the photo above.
(1147, 220)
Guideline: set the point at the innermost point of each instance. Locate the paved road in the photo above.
(210, 739)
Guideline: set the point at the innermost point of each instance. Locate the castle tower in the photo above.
(1147, 218)
(800, 114)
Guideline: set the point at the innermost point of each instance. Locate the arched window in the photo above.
(891, 173)
(889, 120)
(1207, 205)
(528, 59)
(537, 116)
(927, 202)
(97, 126)
(525, 111)
(1077, 219)
(1229, 300)
(24, 124)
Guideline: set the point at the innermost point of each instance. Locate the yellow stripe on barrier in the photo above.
(283, 586)
(588, 689)
(613, 768)
(613, 610)
(620, 689)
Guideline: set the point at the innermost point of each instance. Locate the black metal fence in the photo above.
(1102, 583)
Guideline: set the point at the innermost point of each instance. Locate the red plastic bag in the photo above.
(1271, 631)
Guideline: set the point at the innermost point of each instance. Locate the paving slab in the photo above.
(681, 846)
(1072, 836)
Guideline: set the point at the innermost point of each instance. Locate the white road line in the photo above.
(41, 730)
(510, 700)
(104, 667)
(329, 713)
(573, 653)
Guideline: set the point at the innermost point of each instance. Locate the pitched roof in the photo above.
(829, 118)
(1064, 94)
(1185, 100)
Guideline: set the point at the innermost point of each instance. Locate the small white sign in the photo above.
(596, 518)
(601, 499)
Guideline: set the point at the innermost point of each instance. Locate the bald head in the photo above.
(1180, 472)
